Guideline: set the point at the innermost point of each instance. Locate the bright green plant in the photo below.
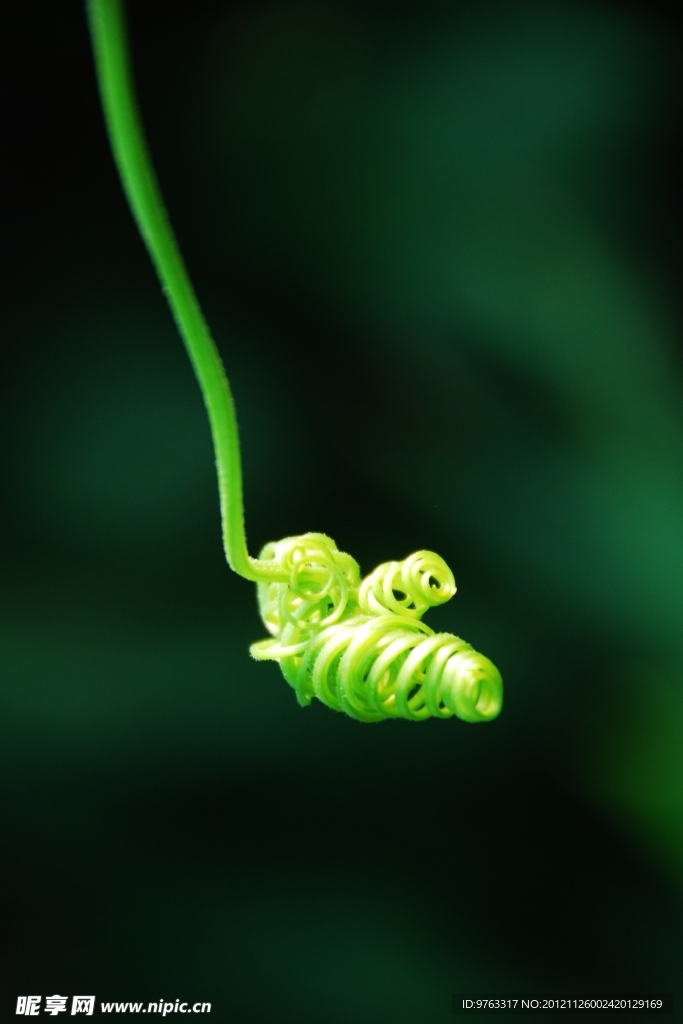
(357, 645)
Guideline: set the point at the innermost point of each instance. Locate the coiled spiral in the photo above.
(359, 645)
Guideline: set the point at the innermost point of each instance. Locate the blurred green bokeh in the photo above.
(439, 249)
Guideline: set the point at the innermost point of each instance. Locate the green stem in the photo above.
(126, 135)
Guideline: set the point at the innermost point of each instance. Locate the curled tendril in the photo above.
(359, 645)
(409, 587)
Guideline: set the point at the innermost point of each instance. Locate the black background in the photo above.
(174, 826)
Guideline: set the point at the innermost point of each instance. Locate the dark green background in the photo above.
(440, 249)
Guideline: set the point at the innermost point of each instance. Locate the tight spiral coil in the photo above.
(359, 645)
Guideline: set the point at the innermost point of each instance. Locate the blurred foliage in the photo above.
(472, 207)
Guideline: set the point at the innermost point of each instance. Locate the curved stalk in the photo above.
(127, 138)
